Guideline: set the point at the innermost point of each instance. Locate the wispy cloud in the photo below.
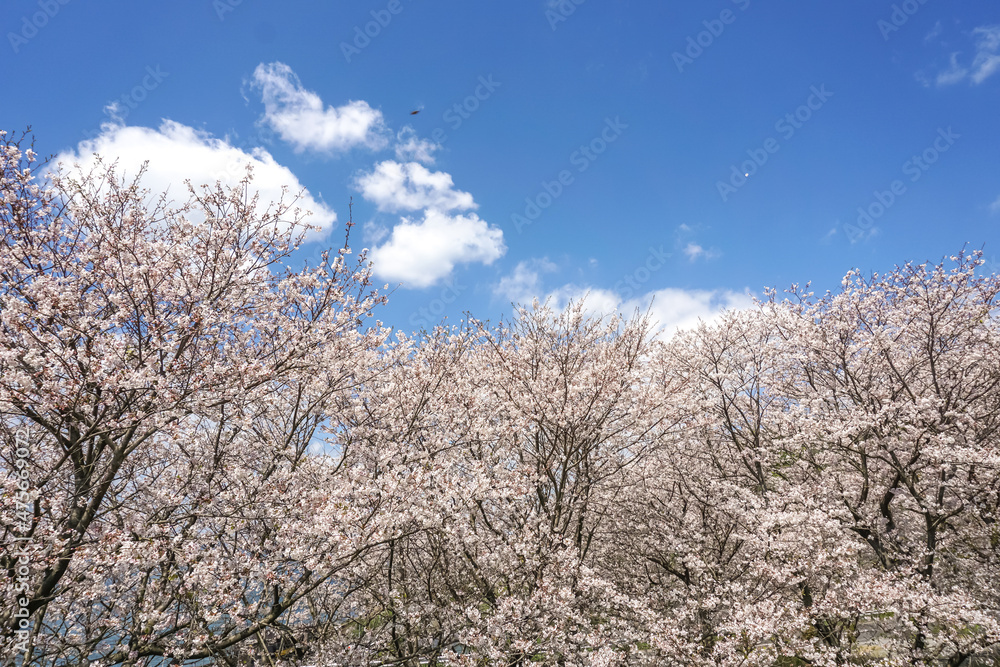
(954, 74)
(934, 32)
(524, 283)
(694, 252)
(995, 207)
(689, 246)
(410, 147)
(985, 63)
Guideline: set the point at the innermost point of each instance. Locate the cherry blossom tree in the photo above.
(172, 373)
(899, 394)
(831, 497)
(213, 458)
(515, 443)
(740, 524)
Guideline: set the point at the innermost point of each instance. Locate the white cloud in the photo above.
(299, 117)
(934, 32)
(674, 308)
(985, 63)
(693, 251)
(987, 60)
(374, 231)
(421, 253)
(670, 308)
(410, 147)
(953, 74)
(524, 282)
(860, 236)
(176, 153)
(596, 301)
(995, 206)
(685, 242)
(410, 186)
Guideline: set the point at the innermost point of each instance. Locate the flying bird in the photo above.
(414, 113)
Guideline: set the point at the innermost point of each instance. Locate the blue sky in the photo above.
(687, 153)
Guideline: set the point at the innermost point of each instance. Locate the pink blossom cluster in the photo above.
(233, 462)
